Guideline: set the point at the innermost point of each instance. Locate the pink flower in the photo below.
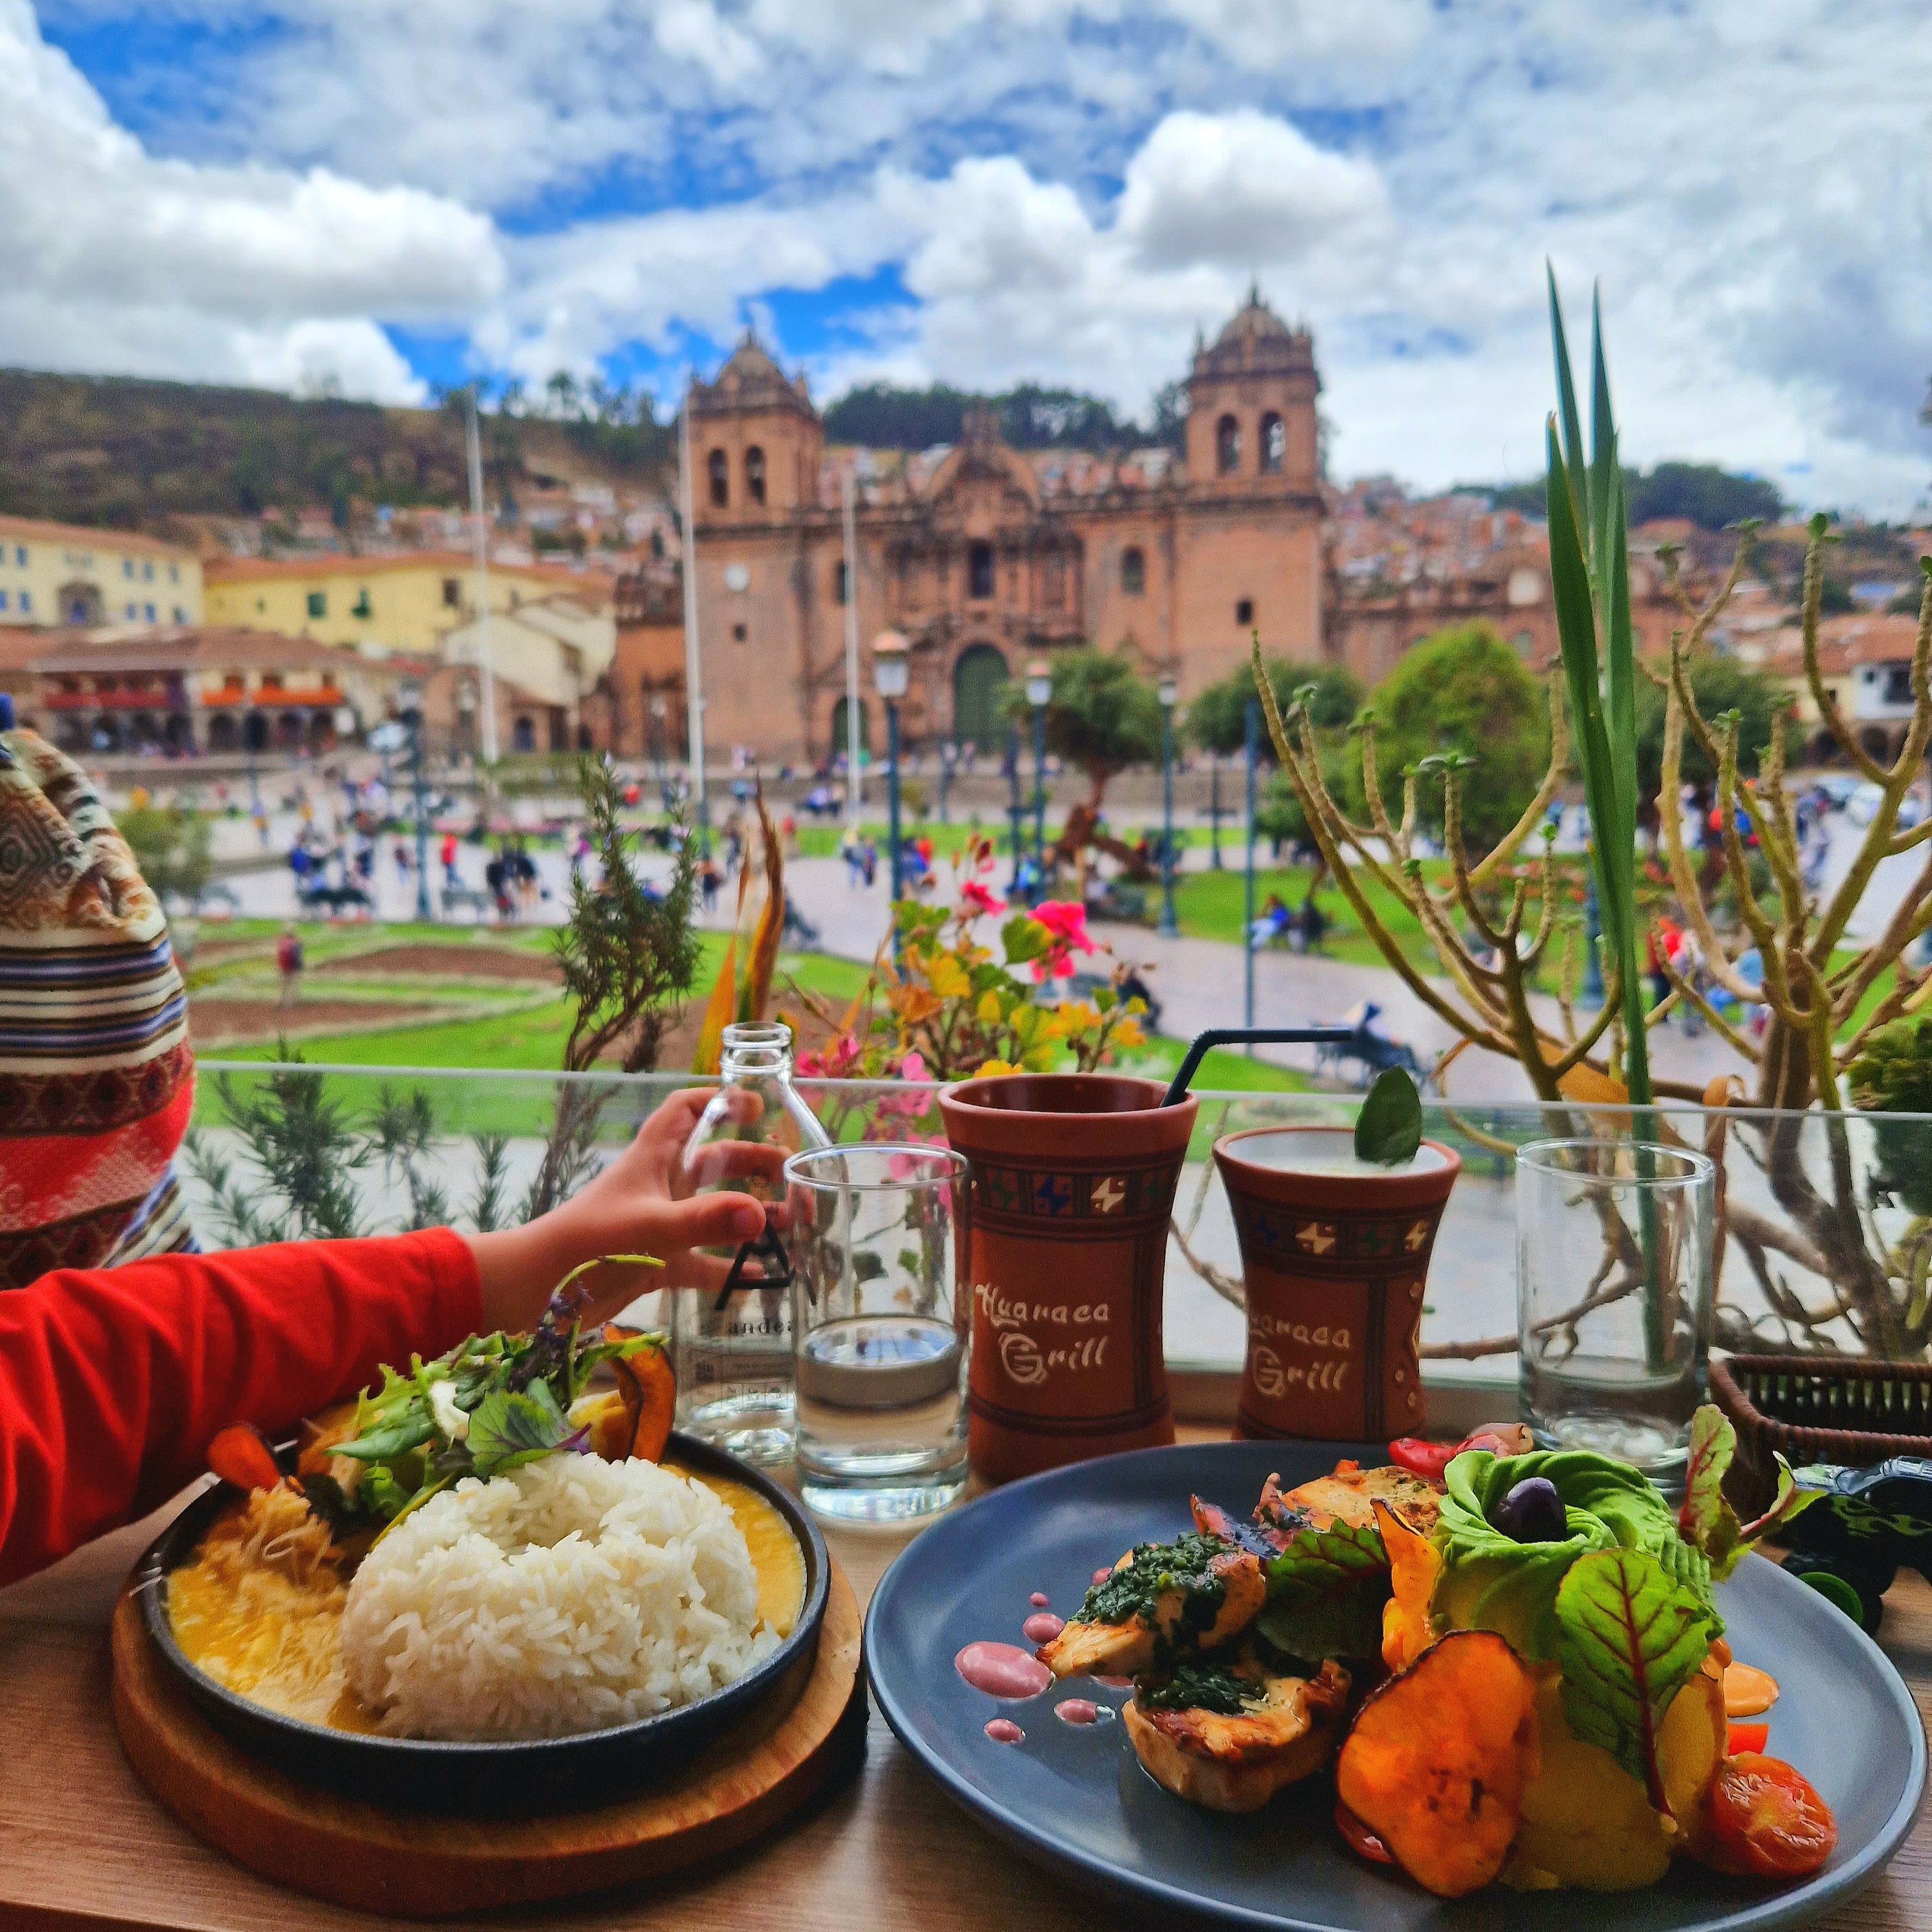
(1066, 920)
(976, 898)
(913, 1067)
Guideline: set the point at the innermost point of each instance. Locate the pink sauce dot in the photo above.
(1002, 1670)
(1101, 1575)
(1004, 1731)
(1042, 1626)
(1076, 1710)
(1039, 1599)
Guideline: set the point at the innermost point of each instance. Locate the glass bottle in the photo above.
(733, 1344)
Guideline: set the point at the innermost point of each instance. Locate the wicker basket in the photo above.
(1848, 1410)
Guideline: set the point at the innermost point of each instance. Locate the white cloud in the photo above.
(1241, 188)
(1066, 187)
(248, 272)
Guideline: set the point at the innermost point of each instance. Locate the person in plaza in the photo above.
(288, 964)
(405, 866)
(496, 880)
(122, 1350)
(449, 855)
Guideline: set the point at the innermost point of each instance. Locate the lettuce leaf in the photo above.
(1628, 1638)
(1713, 1443)
(514, 1427)
(1326, 1592)
(1706, 1519)
(1490, 1581)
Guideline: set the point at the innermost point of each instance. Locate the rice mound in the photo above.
(565, 1596)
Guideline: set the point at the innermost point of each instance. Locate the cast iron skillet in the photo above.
(546, 1773)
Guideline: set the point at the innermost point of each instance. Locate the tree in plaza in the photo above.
(1102, 716)
(1464, 694)
(1217, 716)
(1717, 685)
(171, 847)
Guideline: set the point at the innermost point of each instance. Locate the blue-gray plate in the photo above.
(1075, 1798)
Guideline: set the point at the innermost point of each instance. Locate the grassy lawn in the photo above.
(1210, 906)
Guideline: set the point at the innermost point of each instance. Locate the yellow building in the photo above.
(65, 574)
(384, 603)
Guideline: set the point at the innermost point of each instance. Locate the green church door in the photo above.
(976, 680)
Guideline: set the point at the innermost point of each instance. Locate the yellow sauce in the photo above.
(257, 1611)
(776, 1558)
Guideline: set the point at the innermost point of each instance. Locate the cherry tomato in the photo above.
(1359, 1838)
(1765, 1820)
(1747, 1738)
(1423, 1458)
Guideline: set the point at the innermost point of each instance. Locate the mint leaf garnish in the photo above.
(1628, 1638)
(1388, 1129)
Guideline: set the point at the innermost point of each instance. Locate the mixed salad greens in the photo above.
(491, 1404)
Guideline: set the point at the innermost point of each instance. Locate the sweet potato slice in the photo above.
(1436, 1763)
(1414, 1563)
(240, 1454)
(649, 1387)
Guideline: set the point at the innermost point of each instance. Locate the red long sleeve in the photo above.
(113, 1381)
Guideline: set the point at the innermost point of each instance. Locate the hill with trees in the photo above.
(129, 452)
(1701, 493)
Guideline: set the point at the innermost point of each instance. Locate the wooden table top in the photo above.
(84, 1848)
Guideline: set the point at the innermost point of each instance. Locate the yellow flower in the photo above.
(947, 977)
(988, 1011)
(1127, 1034)
(988, 1068)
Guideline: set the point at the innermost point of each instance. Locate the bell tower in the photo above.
(1251, 406)
(755, 441)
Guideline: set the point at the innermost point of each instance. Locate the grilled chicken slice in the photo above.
(1226, 1760)
(1198, 1593)
(1348, 1496)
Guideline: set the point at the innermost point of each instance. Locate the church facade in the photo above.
(985, 557)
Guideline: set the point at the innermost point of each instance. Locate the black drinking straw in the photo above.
(1177, 1091)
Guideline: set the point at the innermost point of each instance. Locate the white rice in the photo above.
(567, 1595)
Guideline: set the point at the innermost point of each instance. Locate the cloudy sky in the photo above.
(393, 193)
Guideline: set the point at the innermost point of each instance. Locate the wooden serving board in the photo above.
(415, 1864)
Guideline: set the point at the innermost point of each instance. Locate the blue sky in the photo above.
(386, 195)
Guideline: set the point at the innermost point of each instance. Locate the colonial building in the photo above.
(408, 601)
(55, 574)
(986, 556)
(206, 689)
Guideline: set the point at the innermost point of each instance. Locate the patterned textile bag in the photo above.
(96, 1080)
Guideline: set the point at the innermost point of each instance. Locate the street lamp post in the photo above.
(1015, 811)
(1039, 691)
(1168, 692)
(1250, 737)
(1214, 811)
(413, 716)
(890, 673)
(948, 753)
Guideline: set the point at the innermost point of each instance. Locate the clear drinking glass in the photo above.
(1613, 1295)
(732, 1345)
(881, 1324)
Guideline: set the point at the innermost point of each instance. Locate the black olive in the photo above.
(1532, 1512)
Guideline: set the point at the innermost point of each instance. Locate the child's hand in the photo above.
(640, 1204)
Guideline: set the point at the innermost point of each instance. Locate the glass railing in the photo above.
(1824, 1220)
